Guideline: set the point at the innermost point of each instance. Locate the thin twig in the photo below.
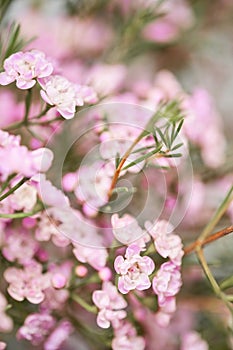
(190, 248)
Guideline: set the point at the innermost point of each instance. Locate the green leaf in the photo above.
(143, 149)
(162, 136)
(142, 158)
(117, 160)
(227, 283)
(178, 129)
(177, 146)
(11, 41)
(173, 155)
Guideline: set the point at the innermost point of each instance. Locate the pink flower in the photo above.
(110, 303)
(19, 246)
(55, 299)
(94, 256)
(167, 282)
(126, 230)
(36, 328)
(47, 229)
(2, 345)
(49, 194)
(25, 68)
(168, 244)
(193, 341)
(61, 93)
(28, 282)
(134, 270)
(24, 198)
(88, 93)
(93, 185)
(58, 336)
(6, 324)
(60, 274)
(126, 339)
(12, 154)
(163, 316)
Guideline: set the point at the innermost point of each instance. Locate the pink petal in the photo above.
(6, 79)
(100, 299)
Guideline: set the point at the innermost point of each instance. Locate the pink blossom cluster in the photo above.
(167, 243)
(177, 17)
(41, 328)
(110, 304)
(90, 185)
(27, 68)
(34, 161)
(125, 337)
(127, 230)
(64, 95)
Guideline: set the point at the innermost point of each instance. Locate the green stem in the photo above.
(28, 101)
(20, 215)
(215, 286)
(46, 122)
(14, 188)
(84, 304)
(30, 121)
(217, 216)
(6, 183)
(14, 126)
(43, 112)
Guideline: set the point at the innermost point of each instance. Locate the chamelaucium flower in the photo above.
(25, 68)
(64, 95)
(134, 270)
(110, 304)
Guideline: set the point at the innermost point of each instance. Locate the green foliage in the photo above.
(165, 135)
(11, 41)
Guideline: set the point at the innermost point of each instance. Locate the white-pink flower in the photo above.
(95, 256)
(126, 338)
(61, 93)
(12, 154)
(58, 336)
(25, 68)
(133, 270)
(193, 341)
(110, 304)
(24, 198)
(167, 282)
(165, 312)
(36, 328)
(6, 324)
(28, 282)
(19, 245)
(127, 230)
(167, 244)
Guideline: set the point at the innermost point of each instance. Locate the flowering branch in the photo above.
(192, 247)
(122, 162)
(217, 216)
(212, 280)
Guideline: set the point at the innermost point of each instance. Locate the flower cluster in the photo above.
(134, 270)
(110, 303)
(27, 68)
(34, 162)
